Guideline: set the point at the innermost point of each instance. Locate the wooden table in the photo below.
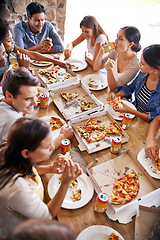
(84, 217)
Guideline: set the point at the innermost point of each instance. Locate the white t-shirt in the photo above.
(100, 39)
(8, 116)
(18, 201)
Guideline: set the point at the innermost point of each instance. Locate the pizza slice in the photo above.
(86, 105)
(76, 195)
(125, 188)
(113, 236)
(94, 124)
(73, 183)
(112, 128)
(85, 131)
(157, 163)
(55, 123)
(69, 96)
(115, 102)
(96, 136)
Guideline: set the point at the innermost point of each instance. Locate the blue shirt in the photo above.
(25, 39)
(153, 104)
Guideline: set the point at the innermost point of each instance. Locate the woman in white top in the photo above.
(21, 191)
(122, 62)
(93, 33)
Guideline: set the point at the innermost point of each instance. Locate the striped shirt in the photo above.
(142, 98)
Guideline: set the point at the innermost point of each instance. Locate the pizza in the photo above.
(55, 123)
(85, 131)
(96, 136)
(113, 236)
(69, 96)
(94, 124)
(73, 183)
(120, 114)
(125, 188)
(38, 95)
(74, 66)
(115, 102)
(76, 195)
(157, 163)
(86, 106)
(112, 128)
(15, 66)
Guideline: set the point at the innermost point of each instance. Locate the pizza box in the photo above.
(103, 176)
(60, 78)
(72, 109)
(145, 220)
(103, 117)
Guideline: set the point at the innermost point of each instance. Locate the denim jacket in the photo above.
(153, 105)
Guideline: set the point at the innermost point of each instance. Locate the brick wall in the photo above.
(15, 10)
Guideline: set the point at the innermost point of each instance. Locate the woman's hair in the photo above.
(133, 35)
(4, 29)
(25, 133)
(151, 55)
(40, 229)
(91, 22)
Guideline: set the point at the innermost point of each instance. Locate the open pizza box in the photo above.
(72, 109)
(102, 117)
(61, 79)
(103, 177)
(145, 220)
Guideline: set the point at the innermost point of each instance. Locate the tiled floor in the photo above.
(112, 14)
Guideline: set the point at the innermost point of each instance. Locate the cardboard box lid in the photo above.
(104, 176)
(72, 109)
(103, 118)
(145, 221)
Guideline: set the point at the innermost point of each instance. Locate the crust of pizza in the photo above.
(96, 136)
(55, 123)
(115, 103)
(86, 106)
(125, 188)
(112, 128)
(113, 236)
(69, 96)
(76, 195)
(94, 124)
(157, 163)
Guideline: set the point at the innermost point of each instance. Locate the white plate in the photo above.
(56, 132)
(41, 64)
(80, 64)
(84, 183)
(115, 114)
(97, 232)
(148, 164)
(95, 79)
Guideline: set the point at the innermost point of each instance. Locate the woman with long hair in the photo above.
(121, 63)
(29, 143)
(145, 89)
(93, 33)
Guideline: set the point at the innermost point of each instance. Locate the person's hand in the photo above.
(67, 53)
(45, 44)
(111, 96)
(60, 163)
(66, 132)
(23, 60)
(109, 64)
(71, 172)
(124, 108)
(151, 148)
